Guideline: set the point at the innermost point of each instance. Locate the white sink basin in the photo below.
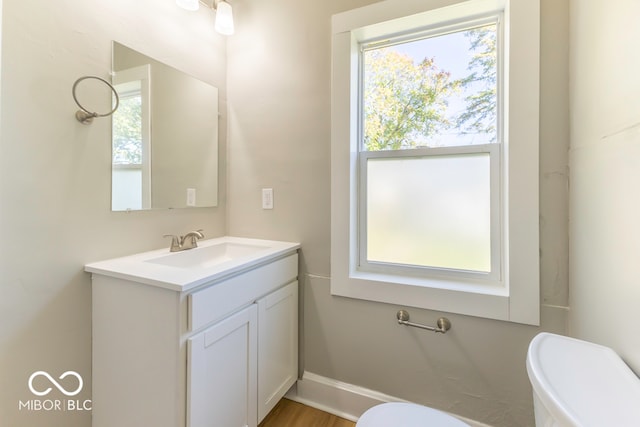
(208, 256)
(213, 259)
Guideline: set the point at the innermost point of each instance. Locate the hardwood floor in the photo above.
(288, 413)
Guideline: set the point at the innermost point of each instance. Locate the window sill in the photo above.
(454, 285)
(472, 301)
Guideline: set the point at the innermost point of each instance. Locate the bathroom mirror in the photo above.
(164, 136)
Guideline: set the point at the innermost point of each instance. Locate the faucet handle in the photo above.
(175, 242)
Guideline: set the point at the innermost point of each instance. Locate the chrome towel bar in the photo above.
(442, 325)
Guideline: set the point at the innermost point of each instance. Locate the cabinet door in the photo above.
(222, 373)
(277, 346)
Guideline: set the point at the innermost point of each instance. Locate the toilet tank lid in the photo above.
(582, 383)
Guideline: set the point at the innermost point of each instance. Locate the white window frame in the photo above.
(514, 294)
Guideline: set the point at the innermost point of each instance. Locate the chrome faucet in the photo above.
(188, 241)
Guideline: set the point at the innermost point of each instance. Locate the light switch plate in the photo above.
(267, 198)
(191, 196)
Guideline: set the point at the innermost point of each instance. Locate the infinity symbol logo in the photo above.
(55, 383)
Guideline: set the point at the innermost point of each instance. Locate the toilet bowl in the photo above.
(398, 414)
(580, 384)
(575, 384)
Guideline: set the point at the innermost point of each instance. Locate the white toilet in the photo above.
(397, 414)
(581, 384)
(575, 384)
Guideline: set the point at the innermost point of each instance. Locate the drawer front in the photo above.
(225, 297)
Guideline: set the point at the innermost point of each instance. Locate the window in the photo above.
(131, 159)
(429, 153)
(434, 156)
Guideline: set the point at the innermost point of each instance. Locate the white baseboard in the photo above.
(343, 399)
(336, 397)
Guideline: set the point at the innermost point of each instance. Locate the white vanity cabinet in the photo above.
(222, 368)
(217, 352)
(228, 379)
(277, 345)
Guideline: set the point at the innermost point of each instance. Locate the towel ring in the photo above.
(85, 116)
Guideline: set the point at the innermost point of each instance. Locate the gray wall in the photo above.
(279, 136)
(54, 197)
(605, 172)
(55, 178)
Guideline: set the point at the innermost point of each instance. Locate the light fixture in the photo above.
(191, 5)
(224, 13)
(224, 18)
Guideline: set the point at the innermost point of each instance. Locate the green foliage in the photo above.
(480, 115)
(127, 131)
(405, 102)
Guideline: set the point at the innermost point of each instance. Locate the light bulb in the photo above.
(224, 18)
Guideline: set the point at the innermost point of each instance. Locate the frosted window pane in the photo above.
(126, 187)
(430, 211)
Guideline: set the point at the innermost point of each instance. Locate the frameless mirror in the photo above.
(164, 136)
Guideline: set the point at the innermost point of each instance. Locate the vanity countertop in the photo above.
(186, 270)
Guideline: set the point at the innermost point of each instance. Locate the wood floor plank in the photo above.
(288, 413)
